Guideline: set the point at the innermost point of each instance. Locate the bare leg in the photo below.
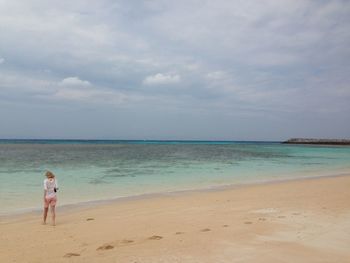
(53, 214)
(46, 209)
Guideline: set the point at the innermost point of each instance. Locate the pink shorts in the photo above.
(50, 201)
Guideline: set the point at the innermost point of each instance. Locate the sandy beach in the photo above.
(295, 221)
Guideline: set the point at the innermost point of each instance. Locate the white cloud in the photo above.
(70, 89)
(74, 81)
(76, 89)
(161, 79)
(2, 60)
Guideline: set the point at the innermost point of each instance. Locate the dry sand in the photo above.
(295, 221)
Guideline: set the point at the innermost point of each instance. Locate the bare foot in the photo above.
(43, 223)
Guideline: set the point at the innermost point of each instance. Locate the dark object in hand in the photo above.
(55, 189)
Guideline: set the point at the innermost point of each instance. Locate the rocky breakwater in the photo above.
(318, 141)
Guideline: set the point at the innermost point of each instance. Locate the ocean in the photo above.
(93, 170)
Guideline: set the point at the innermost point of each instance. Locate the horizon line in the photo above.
(165, 140)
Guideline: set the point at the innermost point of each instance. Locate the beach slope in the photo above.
(296, 221)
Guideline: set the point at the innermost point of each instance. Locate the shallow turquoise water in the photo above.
(96, 170)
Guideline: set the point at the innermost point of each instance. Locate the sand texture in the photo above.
(295, 221)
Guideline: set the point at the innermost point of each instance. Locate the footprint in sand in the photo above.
(105, 247)
(179, 233)
(281, 217)
(68, 255)
(262, 219)
(155, 237)
(90, 219)
(248, 223)
(296, 214)
(205, 230)
(224, 225)
(127, 241)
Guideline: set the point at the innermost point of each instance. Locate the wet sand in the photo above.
(294, 221)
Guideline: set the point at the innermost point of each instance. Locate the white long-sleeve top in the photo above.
(49, 186)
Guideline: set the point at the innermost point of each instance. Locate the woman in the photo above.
(50, 198)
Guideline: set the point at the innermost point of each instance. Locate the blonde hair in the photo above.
(49, 174)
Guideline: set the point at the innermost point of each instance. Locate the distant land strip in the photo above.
(318, 141)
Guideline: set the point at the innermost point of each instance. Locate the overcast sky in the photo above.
(185, 69)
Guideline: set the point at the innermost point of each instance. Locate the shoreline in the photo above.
(91, 204)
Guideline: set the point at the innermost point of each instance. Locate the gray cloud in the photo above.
(234, 61)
